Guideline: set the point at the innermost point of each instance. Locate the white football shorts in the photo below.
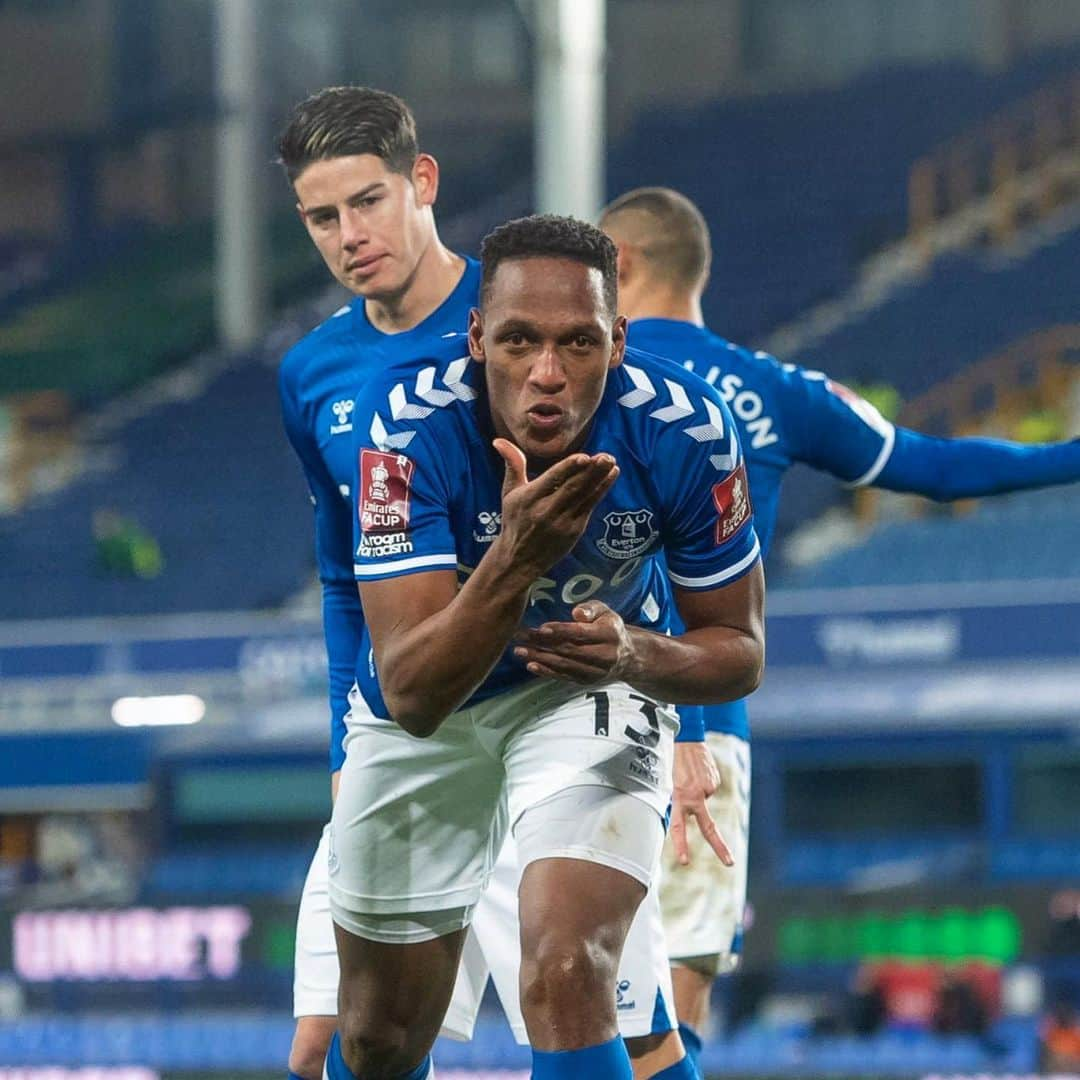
(418, 822)
(315, 962)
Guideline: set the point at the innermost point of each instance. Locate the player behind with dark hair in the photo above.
(348, 121)
(519, 678)
(365, 193)
(785, 414)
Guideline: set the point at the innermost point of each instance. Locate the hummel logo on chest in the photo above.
(342, 411)
(490, 522)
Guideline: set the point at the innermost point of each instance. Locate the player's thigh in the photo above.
(587, 855)
(644, 988)
(703, 903)
(315, 963)
(588, 785)
(391, 989)
(414, 828)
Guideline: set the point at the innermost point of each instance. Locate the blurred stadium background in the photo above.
(894, 194)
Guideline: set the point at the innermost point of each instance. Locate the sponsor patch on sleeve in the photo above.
(385, 481)
(862, 408)
(732, 499)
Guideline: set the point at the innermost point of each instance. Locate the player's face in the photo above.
(548, 341)
(371, 225)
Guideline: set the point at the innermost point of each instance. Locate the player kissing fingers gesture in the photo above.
(543, 519)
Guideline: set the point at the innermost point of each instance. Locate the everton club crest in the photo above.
(627, 534)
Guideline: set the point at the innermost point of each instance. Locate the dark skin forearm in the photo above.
(430, 669)
(719, 657)
(433, 643)
(700, 667)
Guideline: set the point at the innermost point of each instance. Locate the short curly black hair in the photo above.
(551, 235)
(344, 120)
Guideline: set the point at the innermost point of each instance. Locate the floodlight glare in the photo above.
(163, 711)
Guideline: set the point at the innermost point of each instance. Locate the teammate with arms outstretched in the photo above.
(785, 414)
(521, 679)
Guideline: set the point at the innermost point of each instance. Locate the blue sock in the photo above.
(685, 1069)
(336, 1069)
(608, 1061)
(692, 1041)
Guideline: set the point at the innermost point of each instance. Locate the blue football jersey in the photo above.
(784, 414)
(428, 484)
(318, 382)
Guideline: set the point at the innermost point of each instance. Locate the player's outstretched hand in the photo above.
(696, 777)
(595, 648)
(543, 519)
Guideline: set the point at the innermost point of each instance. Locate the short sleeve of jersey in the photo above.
(709, 538)
(832, 428)
(401, 493)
